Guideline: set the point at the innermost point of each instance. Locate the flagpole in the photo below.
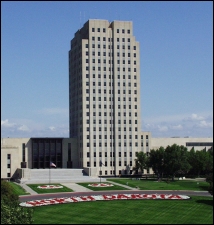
(49, 173)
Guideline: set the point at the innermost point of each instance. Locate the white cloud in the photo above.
(52, 128)
(5, 123)
(162, 128)
(23, 128)
(194, 116)
(192, 125)
(205, 124)
(177, 127)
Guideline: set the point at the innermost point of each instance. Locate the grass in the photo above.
(115, 187)
(197, 210)
(44, 191)
(18, 189)
(151, 184)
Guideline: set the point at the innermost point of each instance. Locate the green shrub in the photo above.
(15, 214)
(7, 192)
(11, 212)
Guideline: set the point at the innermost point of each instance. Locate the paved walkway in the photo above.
(28, 189)
(74, 186)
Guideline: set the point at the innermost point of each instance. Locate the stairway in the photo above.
(57, 176)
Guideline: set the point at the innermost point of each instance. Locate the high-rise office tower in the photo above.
(104, 95)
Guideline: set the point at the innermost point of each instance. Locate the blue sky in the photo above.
(176, 62)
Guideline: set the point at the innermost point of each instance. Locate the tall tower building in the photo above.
(104, 96)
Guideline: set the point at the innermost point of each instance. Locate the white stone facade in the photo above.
(104, 95)
(14, 148)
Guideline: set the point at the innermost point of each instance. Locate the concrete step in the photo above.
(77, 180)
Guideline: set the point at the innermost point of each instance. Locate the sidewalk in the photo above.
(28, 189)
(125, 186)
(75, 187)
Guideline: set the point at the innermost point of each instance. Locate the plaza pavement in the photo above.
(74, 186)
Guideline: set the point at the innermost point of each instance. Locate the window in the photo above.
(23, 153)
(98, 29)
(93, 29)
(88, 154)
(104, 30)
(128, 31)
(117, 30)
(123, 31)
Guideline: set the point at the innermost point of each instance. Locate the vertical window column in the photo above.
(8, 165)
(23, 163)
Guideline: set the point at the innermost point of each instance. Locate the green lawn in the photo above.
(18, 189)
(163, 185)
(44, 191)
(115, 187)
(197, 210)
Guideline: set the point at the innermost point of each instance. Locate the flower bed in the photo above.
(53, 201)
(50, 186)
(100, 185)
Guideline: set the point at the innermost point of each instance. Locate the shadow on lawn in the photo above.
(207, 202)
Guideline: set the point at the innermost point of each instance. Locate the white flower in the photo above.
(52, 201)
(101, 185)
(50, 186)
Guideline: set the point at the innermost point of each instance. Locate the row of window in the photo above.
(111, 136)
(111, 154)
(109, 39)
(111, 84)
(110, 61)
(147, 136)
(111, 107)
(118, 76)
(112, 144)
(104, 30)
(110, 54)
(99, 91)
(110, 114)
(111, 164)
(105, 129)
(104, 69)
(111, 46)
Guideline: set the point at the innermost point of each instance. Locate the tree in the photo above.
(209, 179)
(201, 162)
(176, 160)
(140, 161)
(11, 212)
(156, 161)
